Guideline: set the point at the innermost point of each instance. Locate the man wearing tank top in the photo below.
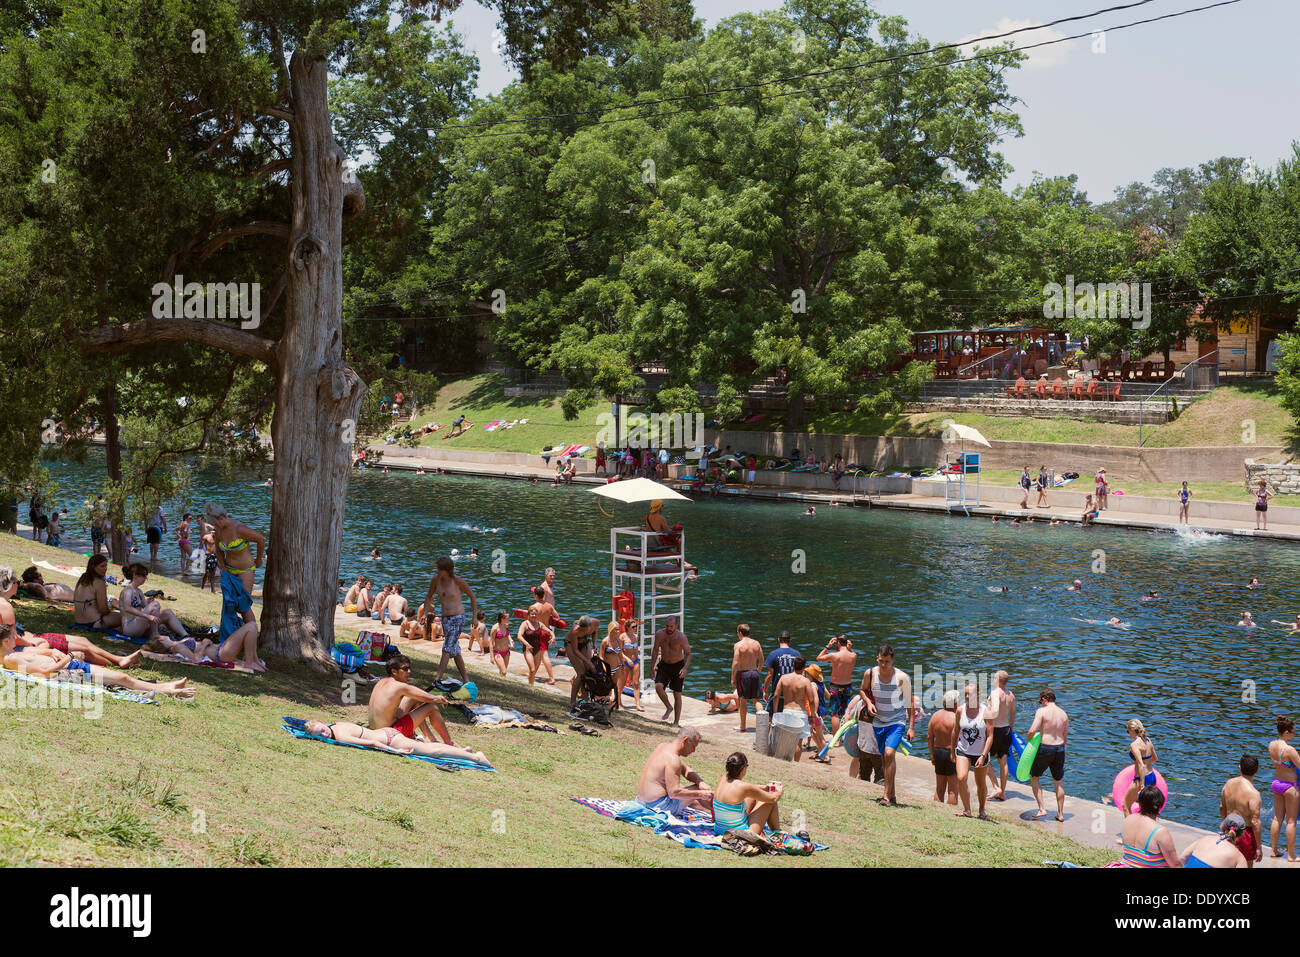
(887, 695)
(1002, 705)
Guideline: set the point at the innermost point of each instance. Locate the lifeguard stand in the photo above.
(961, 480)
(655, 574)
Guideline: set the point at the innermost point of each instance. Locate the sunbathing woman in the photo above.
(78, 646)
(90, 596)
(140, 616)
(389, 739)
(34, 584)
(739, 806)
(534, 636)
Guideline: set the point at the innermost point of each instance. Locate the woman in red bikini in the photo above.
(500, 643)
(535, 637)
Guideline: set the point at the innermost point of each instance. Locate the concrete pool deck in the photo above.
(1088, 822)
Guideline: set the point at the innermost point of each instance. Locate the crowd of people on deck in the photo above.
(969, 737)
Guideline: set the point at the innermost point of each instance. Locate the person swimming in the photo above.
(998, 589)
(1246, 621)
(1112, 622)
(1152, 595)
(811, 510)
(1077, 586)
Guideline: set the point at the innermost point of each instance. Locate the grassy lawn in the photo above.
(482, 399)
(1215, 420)
(216, 782)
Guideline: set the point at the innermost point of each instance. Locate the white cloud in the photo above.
(1043, 58)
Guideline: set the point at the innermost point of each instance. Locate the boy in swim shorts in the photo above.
(448, 587)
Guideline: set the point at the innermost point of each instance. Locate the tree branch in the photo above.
(258, 227)
(228, 134)
(279, 113)
(203, 332)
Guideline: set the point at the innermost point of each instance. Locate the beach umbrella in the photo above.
(636, 490)
(965, 432)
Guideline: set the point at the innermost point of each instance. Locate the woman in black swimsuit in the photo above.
(534, 636)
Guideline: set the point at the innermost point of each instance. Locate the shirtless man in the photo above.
(669, 659)
(47, 662)
(1002, 708)
(1055, 727)
(210, 564)
(796, 690)
(396, 606)
(660, 787)
(746, 654)
(396, 703)
(448, 587)
(839, 652)
(354, 593)
(546, 615)
(548, 592)
(1239, 796)
(941, 737)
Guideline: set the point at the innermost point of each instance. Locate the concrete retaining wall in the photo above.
(1121, 462)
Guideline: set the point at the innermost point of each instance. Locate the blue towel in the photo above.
(297, 727)
(115, 635)
(235, 600)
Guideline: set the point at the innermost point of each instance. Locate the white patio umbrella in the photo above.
(965, 432)
(638, 490)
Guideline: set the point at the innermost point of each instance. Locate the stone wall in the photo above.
(1283, 479)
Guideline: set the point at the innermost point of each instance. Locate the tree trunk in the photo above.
(113, 459)
(317, 395)
(796, 413)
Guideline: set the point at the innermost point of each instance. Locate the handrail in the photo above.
(1199, 360)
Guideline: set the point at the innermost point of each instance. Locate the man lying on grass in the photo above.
(396, 704)
(47, 662)
(389, 739)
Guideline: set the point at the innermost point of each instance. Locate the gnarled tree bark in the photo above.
(318, 396)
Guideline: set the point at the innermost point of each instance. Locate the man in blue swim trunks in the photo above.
(448, 587)
(660, 787)
(886, 693)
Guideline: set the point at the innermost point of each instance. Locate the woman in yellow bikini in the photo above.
(237, 564)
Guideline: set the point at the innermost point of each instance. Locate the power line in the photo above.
(805, 91)
(797, 76)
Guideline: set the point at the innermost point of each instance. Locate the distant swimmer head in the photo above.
(455, 554)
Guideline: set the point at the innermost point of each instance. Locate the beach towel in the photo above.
(1062, 481)
(298, 728)
(693, 830)
(81, 687)
(182, 660)
(61, 569)
(235, 600)
(491, 714)
(494, 425)
(113, 634)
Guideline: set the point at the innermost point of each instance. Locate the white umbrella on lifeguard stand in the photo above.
(647, 576)
(955, 492)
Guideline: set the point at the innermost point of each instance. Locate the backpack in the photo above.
(599, 680)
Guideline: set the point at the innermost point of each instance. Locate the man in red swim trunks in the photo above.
(395, 703)
(1239, 796)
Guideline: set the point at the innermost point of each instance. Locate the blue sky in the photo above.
(1175, 93)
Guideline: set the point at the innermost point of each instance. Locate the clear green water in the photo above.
(919, 582)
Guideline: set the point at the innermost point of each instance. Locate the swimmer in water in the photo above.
(1014, 523)
(811, 510)
(998, 589)
(995, 518)
(1293, 625)
(1053, 523)
(374, 554)
(1113, 622)
(1077, 586)
(1246, 621)
(1152, 595)
(473, 552)
(1254, 583)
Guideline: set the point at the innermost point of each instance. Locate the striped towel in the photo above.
(297, 728)
(81, 687)
(695, 829)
